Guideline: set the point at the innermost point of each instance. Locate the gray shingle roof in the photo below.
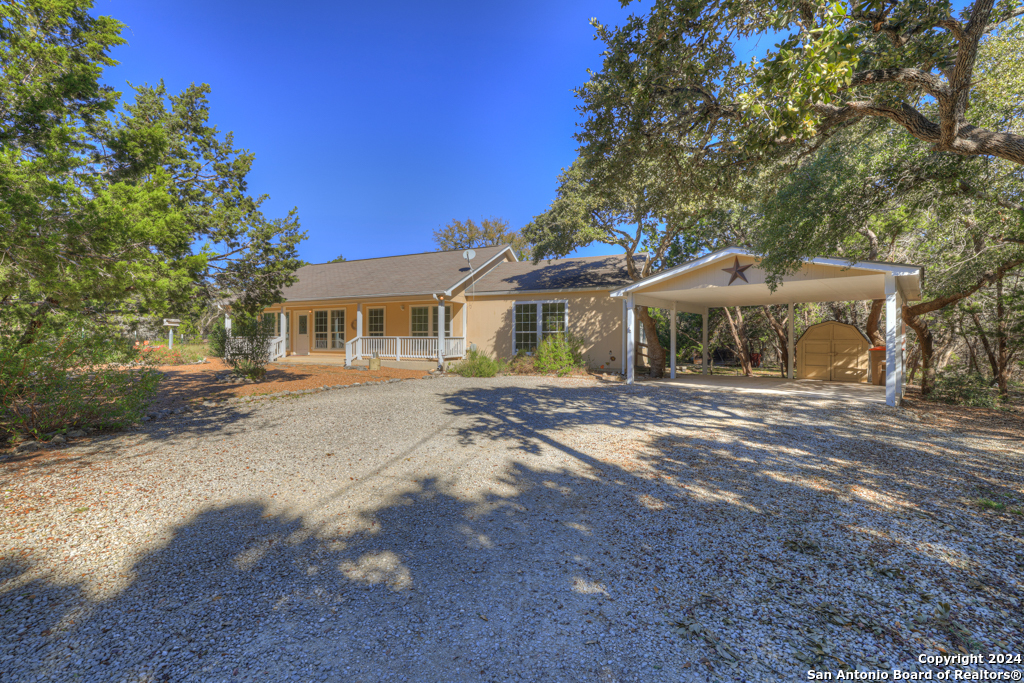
(427, 273)
(588, 272)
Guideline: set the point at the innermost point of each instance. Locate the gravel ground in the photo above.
(184, 385)
(511, 529)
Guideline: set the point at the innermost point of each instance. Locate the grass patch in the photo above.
(989, 504)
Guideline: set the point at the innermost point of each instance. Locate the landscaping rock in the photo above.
(58, 440)
(76, 433)
(28, 446)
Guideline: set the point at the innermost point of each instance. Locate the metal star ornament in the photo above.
(737, 271)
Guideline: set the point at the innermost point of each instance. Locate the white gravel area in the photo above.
(515, 528)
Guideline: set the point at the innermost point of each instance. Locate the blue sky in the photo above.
(380, 122)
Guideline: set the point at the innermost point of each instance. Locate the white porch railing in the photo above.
(404, 348)
(277, 348)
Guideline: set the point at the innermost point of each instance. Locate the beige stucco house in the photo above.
(392, 306)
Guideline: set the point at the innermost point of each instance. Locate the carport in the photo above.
(732, 277)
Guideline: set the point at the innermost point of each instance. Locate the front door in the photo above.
(302, 338)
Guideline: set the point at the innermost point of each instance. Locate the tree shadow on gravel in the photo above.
(617, 511)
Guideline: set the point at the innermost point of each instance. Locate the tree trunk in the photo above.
(927, 346)
(871, 326)
(655, 351)
(35, 323)
(739, 335)
(913, 363)
(1002, 351)
(781, 336)
(986, 344)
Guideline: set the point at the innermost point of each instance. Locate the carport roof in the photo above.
(707, 283)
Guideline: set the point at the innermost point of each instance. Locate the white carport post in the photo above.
(704, 342)
(630, 340)
(791, 342)
(227, 323)
(891, 338)
(359, 331)
(672, 346)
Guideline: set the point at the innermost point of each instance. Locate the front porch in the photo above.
(340, 360)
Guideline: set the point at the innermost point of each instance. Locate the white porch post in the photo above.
(899, 344)
(790, 341)
(440, 332)
(672, 345)
(465, 332)
(227, 323)
(359, 330)
(630, 341)
(704, 342)
(891, 339)
(622, 346)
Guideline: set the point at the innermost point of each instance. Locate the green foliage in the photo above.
(965, 388)
(248, 348)
(560, 354)
(181, 354)
(477, 364)
(136, 211)
(340, 259)
(73, 377)
(218, 338)
(468, 234)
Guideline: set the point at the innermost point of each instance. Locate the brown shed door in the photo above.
(833, 352)
(816, 360)
(849, 357)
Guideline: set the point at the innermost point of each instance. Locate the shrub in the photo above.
(73, 378)
(522, 364)
(247, 351)
(476, 364)
(965, 388)
(218, 339)
(561, 354)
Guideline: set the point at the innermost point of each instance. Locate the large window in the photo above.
(337, 329)
(320, 329)
(375, 322)
(537, 319)
(420, 324)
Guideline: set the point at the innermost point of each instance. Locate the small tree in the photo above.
(248, 348)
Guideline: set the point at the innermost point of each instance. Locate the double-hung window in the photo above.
(535, 320)
(420, 324)
(272, 321)
(320, 329)
(375, 322)
(338, 329)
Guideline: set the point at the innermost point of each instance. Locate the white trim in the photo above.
(507, 292)
(474, 272)
(895, 269)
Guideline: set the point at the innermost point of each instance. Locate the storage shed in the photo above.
(834, 352)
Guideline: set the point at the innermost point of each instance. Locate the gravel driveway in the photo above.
(511, 529)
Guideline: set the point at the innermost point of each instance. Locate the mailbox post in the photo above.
(170, 324)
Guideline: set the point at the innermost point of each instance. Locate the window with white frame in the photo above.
(338, 329)
(320, 329)
(535, 320)
(420, 323)
(375, 322)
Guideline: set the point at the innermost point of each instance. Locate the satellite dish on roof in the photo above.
(469, 254)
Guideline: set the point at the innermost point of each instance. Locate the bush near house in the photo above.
(962, 387)
(477, 364)
(561, 354)
(247, 351)
(74, 379)
(218, 339)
